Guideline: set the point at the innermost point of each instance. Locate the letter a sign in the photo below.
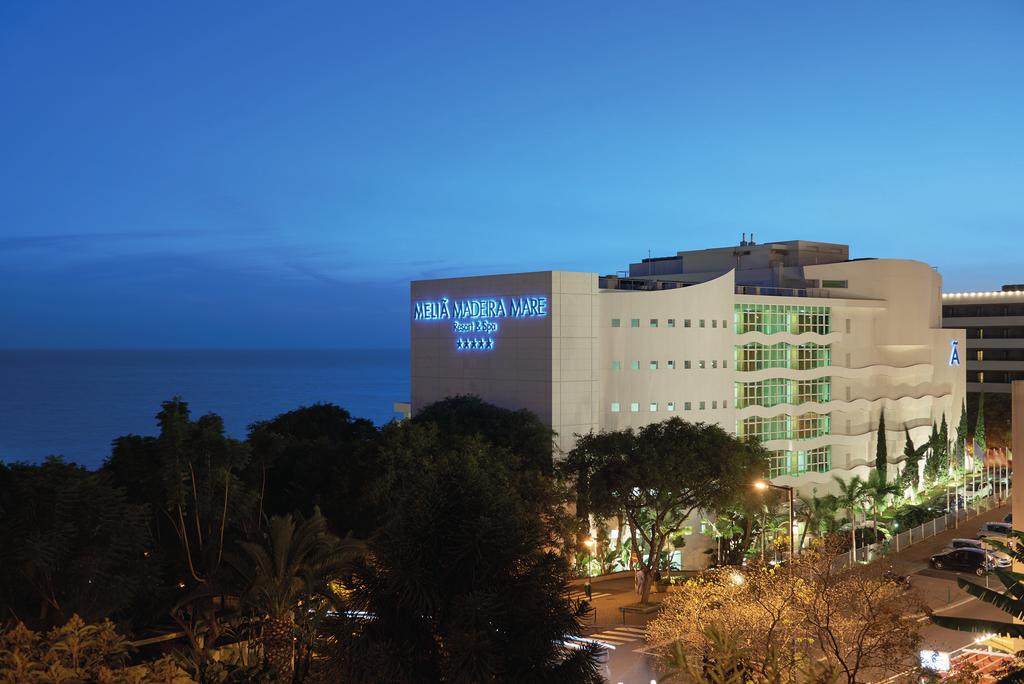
(954, 353)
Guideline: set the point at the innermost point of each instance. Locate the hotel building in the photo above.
(995, 335)
(790, 342)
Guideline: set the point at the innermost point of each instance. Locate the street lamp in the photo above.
(590, 544)
(764, 485)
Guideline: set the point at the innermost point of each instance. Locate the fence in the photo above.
(870, 552)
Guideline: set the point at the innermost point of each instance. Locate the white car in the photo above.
(977, 490)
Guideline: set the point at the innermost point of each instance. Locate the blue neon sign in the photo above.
(954, 353)
(477, 317)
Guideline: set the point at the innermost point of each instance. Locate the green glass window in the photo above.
(798, 462)
(775, 391)
(776, 318)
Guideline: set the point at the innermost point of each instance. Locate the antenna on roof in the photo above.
(752, 239)
(743, 242)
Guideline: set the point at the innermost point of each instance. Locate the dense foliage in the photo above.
(448, 529)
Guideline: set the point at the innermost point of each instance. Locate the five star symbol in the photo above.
(474, 343)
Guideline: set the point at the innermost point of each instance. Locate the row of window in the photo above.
(805, 426)
(775, 391)
(980, 310)
(999, 354)
(776, 318)
(670, 406)
(994, 376)
(1013, 332)
(669, 323)
(798, 462)
(756, 356)
(669, 365)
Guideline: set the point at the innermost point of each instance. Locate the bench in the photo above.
(641, 610)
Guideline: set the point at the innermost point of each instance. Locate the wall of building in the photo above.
(546, 364)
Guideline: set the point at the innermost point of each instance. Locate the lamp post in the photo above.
(590, 543)
(763, 485)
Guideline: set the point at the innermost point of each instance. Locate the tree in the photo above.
(815, 512)
(461, 569)
(285, 570)
(932, 462)
(979, 430)
(771, 624)
(664, 473)
(316, 456)
(520, 432)
(911, 458)
(944, 447)
(961, 437)
(852, 496)
(71, 544)
(881, 454)
(879, 491)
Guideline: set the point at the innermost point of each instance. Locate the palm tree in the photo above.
(852, 496)
(813, 512)
(879, 491)
(293, 563)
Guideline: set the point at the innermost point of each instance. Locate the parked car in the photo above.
(1008, 518)
(963, 560)
(994, 529)
(977, 490)
(998, 558)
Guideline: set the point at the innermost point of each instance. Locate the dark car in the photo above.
(962, 560)
(1008, 518)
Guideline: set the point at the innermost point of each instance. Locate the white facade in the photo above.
(828, 360)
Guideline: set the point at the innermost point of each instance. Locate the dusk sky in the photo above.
(273, 174)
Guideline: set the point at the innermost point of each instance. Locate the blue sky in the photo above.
(254, 174)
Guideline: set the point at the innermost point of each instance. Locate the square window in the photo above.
(670, 365)
(653, 365)
(670, 406)
(654, 322)
(686, 365)
(616, 365)
(615, 407)
(653, 407)
(634, 323)
(701, 364)
(725, 363)
(686, 323)
(634, 407)
(725, 403)
(616, 323)
(701, 406)
(671, 323)
(702, 322)
(714, 363)
(686, 406)
(714, 322)
(635, 365)
(714, 404)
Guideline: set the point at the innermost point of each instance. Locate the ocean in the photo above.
(74, 403)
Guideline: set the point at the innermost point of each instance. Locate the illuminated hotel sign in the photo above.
(954, 354)
(475, 321)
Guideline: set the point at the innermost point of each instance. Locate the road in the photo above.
(627, 663)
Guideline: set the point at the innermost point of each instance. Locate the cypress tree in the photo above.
(961, 437)
(931, 462)
(943, 461)
(881, 452)
(979, 429)
(910, 460)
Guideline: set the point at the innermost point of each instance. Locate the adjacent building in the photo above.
(995, 335)
(790, 342)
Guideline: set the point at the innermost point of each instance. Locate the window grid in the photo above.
(616, 365)
(616, 323)
(776, 318)
(615, 407)
(798, 462)
(775, 391)
(805, 426)
(755, 356)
